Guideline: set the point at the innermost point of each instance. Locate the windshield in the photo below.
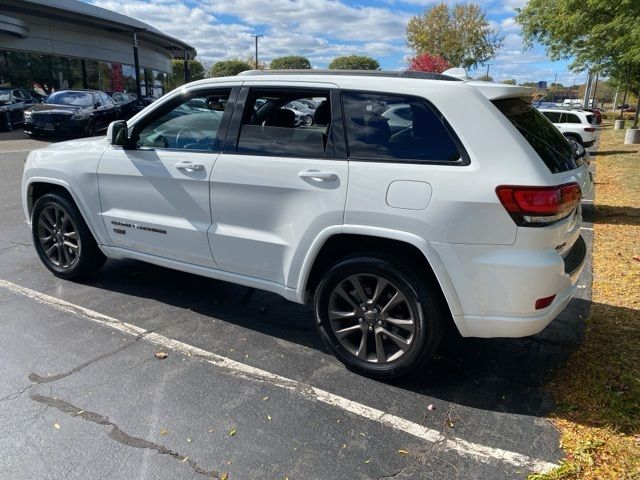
(554, 150)
(77, 99)
(5, 95)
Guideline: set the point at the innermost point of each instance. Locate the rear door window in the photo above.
(272, 126)
(546, 140)
(396, 128)
(554, 117)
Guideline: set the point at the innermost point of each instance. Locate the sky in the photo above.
(323, 29)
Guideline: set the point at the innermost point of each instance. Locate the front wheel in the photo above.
(62, 239)
(377, 317)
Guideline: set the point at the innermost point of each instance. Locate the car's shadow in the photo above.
(490, 374)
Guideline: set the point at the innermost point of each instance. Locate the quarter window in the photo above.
(572, 118)
(394, 127)
(191, 125)
(290, 123)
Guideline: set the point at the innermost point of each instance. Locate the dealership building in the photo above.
(48, 45)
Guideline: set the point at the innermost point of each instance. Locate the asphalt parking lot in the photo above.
(247, 390)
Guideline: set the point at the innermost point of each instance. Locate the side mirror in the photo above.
(117, 133)
(98, 104)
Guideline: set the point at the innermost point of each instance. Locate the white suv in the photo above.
(577, 125)
(467, 213)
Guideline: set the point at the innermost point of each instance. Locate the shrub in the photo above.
(229, 68)
(291, 62)
(354, 62)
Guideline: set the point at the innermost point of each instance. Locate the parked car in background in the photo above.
(127, 103)
(596, 113)
(71, 113)
(398, 117)
(392, 237)
(577, 125)
(13, 102)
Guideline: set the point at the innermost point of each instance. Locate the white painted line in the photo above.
(480, 452)
(587, 228)
(18, 151)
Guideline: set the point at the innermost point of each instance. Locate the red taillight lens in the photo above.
(589, 129)
(539, 205)
(544, 302)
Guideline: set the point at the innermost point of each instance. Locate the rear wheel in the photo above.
(377, 317)
(62, 239)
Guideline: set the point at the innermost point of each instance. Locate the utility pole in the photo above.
(257, 37)
(553, 88)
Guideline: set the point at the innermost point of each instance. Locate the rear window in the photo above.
(550, 145)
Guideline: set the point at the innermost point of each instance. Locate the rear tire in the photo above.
(62, 239)
(397, 330)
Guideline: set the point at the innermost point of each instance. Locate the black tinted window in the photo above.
(394, 127)
(272, 125)
(191, 125)
(546, 140)
(553, 116)
(572, 118)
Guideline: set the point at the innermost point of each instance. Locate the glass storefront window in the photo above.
(48, 73)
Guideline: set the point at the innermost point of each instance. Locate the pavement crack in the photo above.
(39, 379)
(115, 433)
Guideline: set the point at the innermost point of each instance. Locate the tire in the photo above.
(575, 138)
(56, 227)
(419, 303)
(91, 128)
(9, 125)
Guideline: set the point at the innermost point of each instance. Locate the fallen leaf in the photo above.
(163, 431)
(185, 459)
(224, 476)
(367, 461)
(636, 258)
(211, 430)
(56, 426)
(344, 445)
(269, 417)
(189, 440)
(80, 412)
(232, 432)
(431, 407)
(362, 434)
(161, 355)
(265, 398)
(402, 451)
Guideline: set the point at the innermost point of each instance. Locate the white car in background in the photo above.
(576, 125)
(466, 216)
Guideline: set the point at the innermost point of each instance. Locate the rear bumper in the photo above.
(498, 288)
(589, 144)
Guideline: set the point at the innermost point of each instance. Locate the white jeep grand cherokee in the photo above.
(466, 211)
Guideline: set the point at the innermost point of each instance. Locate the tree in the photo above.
(291, 62)
(229, 68)
(354, 62)
(511, 81)
(428, 63)
(486, 78)
(462, 35)
(196, 71)
(599, 35)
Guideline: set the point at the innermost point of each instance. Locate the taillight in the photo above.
(589, 129)
(539, 206)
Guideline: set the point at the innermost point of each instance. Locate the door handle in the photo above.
(318, 176)
(190, 167)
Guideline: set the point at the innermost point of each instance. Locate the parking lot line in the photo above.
(480, 452)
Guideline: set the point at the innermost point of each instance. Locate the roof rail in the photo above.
(359, 73)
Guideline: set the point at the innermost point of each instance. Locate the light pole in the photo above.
(257, 37)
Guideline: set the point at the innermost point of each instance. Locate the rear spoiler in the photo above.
(499, 91)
